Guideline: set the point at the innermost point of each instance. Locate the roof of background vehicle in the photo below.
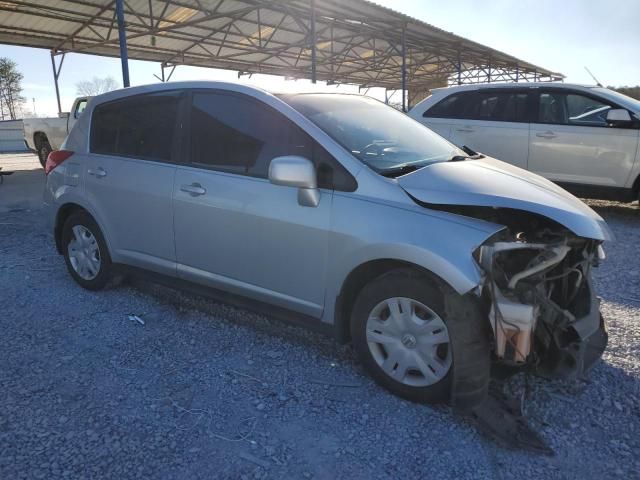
(478, 86)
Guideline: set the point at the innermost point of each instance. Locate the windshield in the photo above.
(376, 134)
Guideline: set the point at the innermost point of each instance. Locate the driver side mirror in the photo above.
(296, 171)
(618, 117)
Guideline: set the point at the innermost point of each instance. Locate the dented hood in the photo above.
(491, 183)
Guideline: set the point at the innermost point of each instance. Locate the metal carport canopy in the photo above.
(354, 41)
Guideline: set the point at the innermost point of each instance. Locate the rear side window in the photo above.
(81, 105)
(142, 126)
(454, 106)
(240, 135)
(494, 106)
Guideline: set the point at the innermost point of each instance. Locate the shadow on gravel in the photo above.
(512, 420)
(631, 210)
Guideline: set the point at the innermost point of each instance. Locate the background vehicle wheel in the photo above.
(85, 251)
(403, 335)
(44, 149)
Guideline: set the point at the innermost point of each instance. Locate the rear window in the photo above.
(142, 126)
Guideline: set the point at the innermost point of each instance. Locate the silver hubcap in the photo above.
(84, 254)
(409, 341)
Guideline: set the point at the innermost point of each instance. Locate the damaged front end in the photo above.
(540, 299)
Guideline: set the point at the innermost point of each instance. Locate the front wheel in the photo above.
(85, 251)
(407, 340)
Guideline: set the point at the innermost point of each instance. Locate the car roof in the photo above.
(477, 86)
(205, 84)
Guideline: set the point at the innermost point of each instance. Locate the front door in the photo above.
(236, 231)
(571, 143)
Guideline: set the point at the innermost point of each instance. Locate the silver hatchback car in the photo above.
(438, 264)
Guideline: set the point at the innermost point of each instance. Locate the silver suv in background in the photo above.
(584, 138)
(339, 211)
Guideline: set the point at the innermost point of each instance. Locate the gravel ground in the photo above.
(204, 390)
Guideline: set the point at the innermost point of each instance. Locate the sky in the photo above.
(560, 35)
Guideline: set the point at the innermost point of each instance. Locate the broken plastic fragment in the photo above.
(135, 318)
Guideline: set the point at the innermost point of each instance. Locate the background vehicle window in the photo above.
(500, 107)
(446, 108)
(572, 109)
(140, 127)
(552, 108)
(457, 105)
(82, 104)
(241, 135)
(586, 110)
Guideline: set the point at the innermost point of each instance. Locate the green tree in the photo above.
(11, 99)
(633, 92)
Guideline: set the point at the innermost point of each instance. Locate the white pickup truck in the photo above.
(44, 135)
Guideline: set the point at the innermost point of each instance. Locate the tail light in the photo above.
(56, 158)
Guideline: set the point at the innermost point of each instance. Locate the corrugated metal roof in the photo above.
(356, 41)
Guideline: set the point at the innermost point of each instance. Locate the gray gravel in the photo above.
(204, 390)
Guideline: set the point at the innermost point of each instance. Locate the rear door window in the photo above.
(488, 105)
(142, 126)
(500, 106)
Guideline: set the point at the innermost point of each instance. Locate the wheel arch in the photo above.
(636, 188)
(38, 137)
(359, 277)
(65, 211)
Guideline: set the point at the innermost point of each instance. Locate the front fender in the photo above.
(439, 242)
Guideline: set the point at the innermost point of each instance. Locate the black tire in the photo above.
(466, 382)
(104, 272)
(44, 149)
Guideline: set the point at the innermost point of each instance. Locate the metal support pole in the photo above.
(404, 70)
(122, 36)
(459, 69)
(517, 73)
(313, 41)
(489, 74)
(56, 74)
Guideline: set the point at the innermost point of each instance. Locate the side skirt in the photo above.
(220, 296)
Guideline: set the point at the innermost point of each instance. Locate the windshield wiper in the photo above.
(471, 154)
(398, 171)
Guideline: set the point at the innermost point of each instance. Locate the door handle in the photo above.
(98, 173)
(465, 129)
(546, 135)
(195, 189)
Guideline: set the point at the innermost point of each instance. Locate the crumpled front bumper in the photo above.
(575, 349)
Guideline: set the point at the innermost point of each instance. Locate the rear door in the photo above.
(235, 230)
(495, 122)
(571, 143)
(129, 177)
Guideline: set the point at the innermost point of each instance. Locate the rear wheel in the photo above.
(85, 251)
(405, 338)
(44, 149)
